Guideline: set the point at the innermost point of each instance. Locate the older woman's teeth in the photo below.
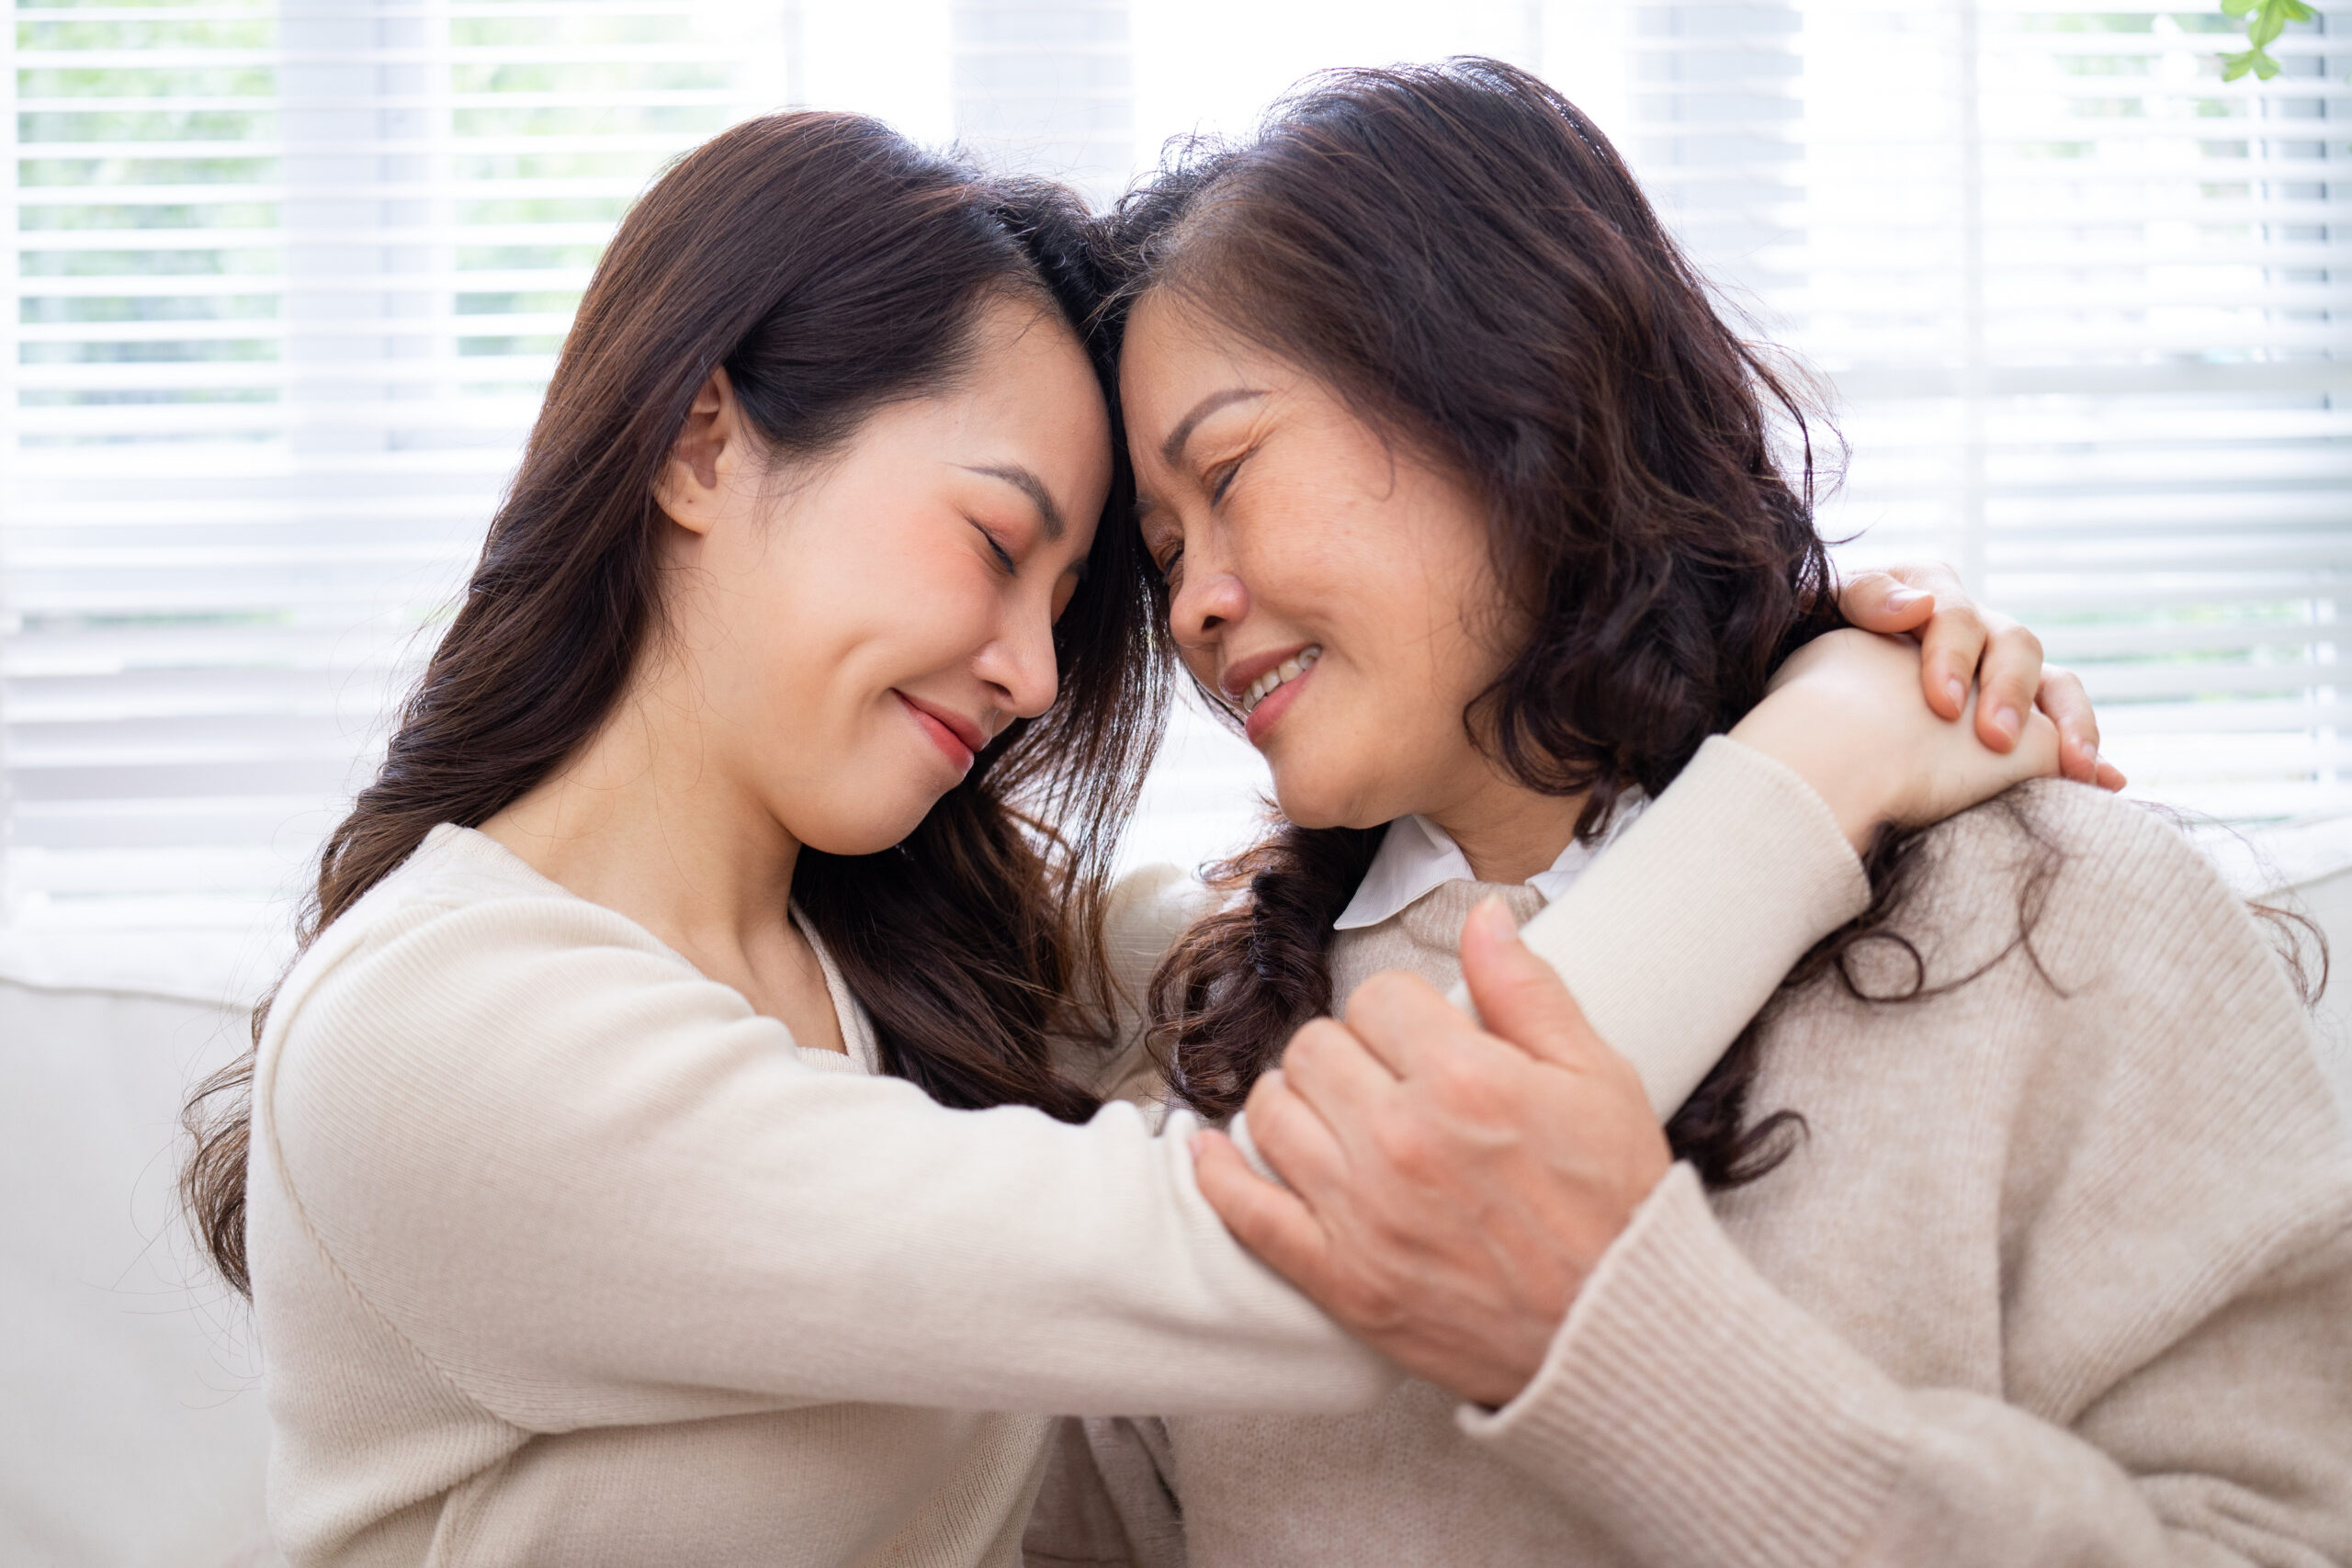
(1288, 670)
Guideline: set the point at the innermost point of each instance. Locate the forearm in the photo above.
(1681, 931)
(630, 1199)
(1695, 1414)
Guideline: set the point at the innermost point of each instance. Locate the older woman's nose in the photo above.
(1206, 604)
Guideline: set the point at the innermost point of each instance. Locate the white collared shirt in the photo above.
(1417, 856)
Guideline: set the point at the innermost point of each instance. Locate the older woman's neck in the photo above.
(1506, 832)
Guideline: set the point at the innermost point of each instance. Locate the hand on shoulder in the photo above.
(1432, 1205)
(1847, 715)
(1925, 706)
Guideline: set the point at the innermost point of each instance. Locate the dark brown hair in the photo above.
(1462, 255)
(832, 267)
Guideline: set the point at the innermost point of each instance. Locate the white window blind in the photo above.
(1048, 85)
(288, 280)
(2084, 307)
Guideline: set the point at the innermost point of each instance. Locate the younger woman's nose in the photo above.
(1020, 670)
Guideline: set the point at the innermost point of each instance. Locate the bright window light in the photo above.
(287, 280)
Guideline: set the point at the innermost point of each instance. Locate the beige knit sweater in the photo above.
(2060, 1275)
(562, 1254)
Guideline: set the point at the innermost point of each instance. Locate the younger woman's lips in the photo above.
(941, 736)
(1270, 710)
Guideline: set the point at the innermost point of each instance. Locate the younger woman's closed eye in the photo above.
(1005, 556)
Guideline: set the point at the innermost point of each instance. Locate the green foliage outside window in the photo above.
(2265, 20)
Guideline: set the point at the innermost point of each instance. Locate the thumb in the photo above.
(1881, 602)
(1519, 996)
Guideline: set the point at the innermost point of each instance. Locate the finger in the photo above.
(1304, 1149)
(1951, 646)
(1330, 1067)
(2069, 706)
(1276, 1226)
(1881, 602)
(2010, 675)
(1931, 576)
(1520, 998)
(2109, 777)
(1402, 1020)
(2036, 755)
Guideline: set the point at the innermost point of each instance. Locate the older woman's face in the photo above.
(1334, 588)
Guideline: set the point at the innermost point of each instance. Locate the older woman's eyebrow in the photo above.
(1030, 485)
(1171, 451)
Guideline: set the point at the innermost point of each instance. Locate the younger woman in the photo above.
(600, 1200)
(2019, 1233)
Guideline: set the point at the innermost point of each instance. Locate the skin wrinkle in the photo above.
(1171, 451)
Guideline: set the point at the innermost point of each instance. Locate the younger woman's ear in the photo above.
(707, 447)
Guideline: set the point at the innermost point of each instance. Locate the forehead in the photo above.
(1173, 358)
(1026, 362)
(1029, 396)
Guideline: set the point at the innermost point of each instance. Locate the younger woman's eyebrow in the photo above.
(1030, 485)
(1171, 451)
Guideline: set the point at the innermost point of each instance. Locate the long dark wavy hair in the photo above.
(1460, 254)
(830, 268)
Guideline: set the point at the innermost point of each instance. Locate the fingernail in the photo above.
(1958, 689)
(2006, 721)
(1903, 598)
(1495, 916)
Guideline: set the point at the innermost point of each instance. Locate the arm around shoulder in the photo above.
(1682, 929)
(591, 1185)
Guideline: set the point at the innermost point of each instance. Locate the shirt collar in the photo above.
(1416, 857)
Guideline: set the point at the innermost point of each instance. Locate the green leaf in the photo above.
(2238, 8)
(2265, 28)
(2297, 11)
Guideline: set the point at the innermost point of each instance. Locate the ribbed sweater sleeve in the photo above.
(1682, 929)
(2176, 1239)
(590, 1186)
(593, 1188)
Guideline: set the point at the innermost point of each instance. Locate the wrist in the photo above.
(1855, 779)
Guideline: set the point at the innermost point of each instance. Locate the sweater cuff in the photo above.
(1682, 929)
(1697, 1415)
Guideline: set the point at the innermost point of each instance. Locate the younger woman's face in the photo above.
(1332, 586)
(851, 631)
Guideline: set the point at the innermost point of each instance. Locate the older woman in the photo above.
(2018, 1232)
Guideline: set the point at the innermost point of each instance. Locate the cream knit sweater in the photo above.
(2060, 1275)
(562, 1254)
